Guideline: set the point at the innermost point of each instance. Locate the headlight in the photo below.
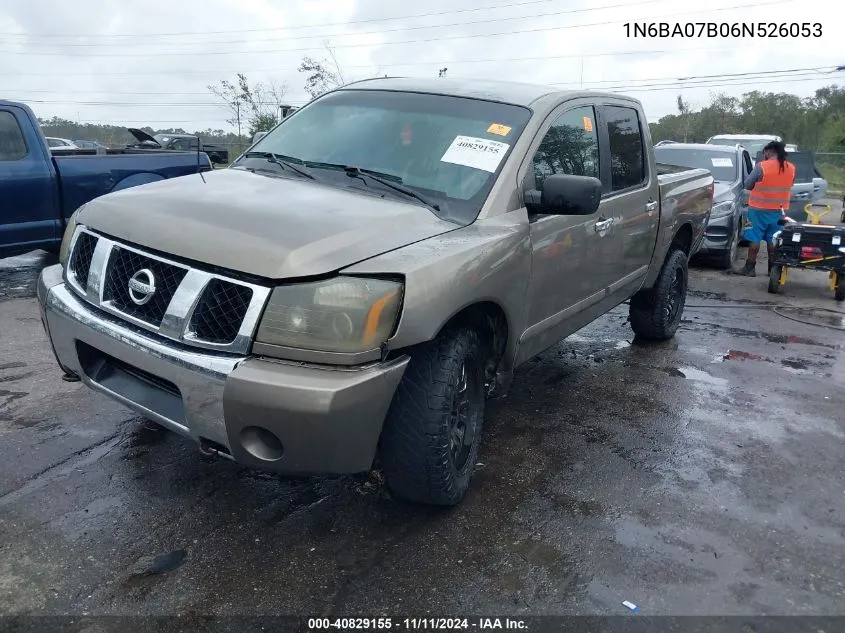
(344, 314)
(722, 209)
(68, 236)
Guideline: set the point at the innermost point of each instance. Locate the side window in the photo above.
(746, 159)
(12, 145)
(627, 158)
(571, 146)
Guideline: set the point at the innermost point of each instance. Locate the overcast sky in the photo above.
(124, 62)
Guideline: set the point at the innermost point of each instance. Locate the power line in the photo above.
(378, 32)
(393, 65)
(782, 74)
(714, 85)
(415, 41)
(300, 26)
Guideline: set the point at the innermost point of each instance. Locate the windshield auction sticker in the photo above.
(722, 162)
(479, 153)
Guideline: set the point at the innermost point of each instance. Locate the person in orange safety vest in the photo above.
(770, 183)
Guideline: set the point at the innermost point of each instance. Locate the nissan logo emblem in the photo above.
(142, 286)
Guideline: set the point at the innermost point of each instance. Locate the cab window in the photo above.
(627, 158)
(12, 144)
(571, 147)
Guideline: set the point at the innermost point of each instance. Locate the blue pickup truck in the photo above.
(40, 189)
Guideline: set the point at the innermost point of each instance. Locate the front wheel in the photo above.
(726, 259)
(655, 313)
(429, 446)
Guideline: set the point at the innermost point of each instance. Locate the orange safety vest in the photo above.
(773, 192)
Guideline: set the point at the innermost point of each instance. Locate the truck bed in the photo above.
(86, 176)
(686, 195)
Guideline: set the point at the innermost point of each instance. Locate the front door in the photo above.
(569, 252)
(28, 203)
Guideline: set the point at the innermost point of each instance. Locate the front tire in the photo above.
(726, 259)
(656, 313)
(429, 446)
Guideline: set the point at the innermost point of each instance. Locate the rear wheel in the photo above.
(840, 287)
(656, 313)
(774, 279)
(429, 446)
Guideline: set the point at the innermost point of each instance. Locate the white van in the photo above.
(754, 143)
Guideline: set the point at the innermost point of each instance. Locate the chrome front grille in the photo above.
(172, 299)
(122, 265)
(80, 261)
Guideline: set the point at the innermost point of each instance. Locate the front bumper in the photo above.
(717, 235)
(284, 417)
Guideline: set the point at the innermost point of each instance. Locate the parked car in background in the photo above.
(729, 166)
(218, 154)
(40, 189)
(819, 185)
(59, 143)
(363, 278)
(89, 144)
(754, 143)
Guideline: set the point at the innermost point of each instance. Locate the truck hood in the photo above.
(142, 137)
(272, 227)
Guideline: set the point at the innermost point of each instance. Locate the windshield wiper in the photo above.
(281, 160)
(388, 180)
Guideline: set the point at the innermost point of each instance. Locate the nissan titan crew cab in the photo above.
(353, 288)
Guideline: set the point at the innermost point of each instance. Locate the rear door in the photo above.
(29, 205)
(630, 194)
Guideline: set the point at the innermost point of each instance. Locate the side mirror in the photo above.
(258, 136)
(564, 194)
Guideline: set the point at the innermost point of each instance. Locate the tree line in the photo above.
(816, 123)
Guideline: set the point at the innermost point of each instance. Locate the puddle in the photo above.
(691, 373)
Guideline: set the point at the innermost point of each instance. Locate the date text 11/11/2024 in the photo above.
(722, 29)
(416, 624)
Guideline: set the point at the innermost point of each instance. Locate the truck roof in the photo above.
(512, 92)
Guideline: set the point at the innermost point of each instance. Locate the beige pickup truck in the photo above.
(353, 288)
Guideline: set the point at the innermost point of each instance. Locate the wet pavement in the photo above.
(704, 475)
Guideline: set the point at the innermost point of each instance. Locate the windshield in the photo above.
(721, 164)
(752, 145)
(447, 148)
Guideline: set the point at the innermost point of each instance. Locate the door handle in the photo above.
(651, 206)
(603, 225)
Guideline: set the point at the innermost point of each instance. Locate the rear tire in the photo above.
(429, 445)
(774, 279)
(839, 293)
(656, 313)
